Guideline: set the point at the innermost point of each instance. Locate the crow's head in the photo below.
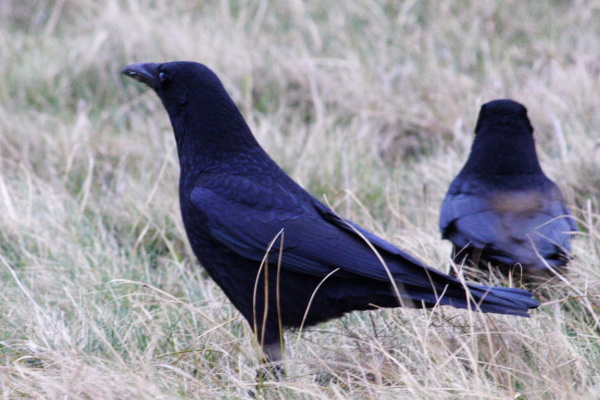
(174, 81)
(206, 122)
(504, 112)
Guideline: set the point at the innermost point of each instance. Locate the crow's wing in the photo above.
(256, 217)
(508, 223)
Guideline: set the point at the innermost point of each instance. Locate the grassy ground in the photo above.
(370, 104)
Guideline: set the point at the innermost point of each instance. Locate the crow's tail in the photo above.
(501, 300)
(488, 299)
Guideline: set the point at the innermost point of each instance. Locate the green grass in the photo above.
(370, 104)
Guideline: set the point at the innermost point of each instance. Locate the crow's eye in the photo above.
(162, 76)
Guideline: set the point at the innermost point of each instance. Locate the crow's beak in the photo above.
(144, 72)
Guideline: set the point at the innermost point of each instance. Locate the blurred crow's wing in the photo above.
(507, 224)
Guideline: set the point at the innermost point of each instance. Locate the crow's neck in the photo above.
(211, 133)
(495, 154)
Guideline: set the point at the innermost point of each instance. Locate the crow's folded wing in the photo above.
(315, 240)
(508, 222)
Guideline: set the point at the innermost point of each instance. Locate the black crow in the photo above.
(501, 208)
(283, 258)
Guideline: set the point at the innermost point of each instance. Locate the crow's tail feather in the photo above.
(487, 299)
(501, 300)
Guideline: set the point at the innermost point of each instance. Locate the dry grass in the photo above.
(369, 103)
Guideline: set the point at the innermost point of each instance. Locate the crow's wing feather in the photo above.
(458, 206)
(315, 240)
(504, 223)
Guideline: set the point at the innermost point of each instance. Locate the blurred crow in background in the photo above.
(501, 208)
(283, 258)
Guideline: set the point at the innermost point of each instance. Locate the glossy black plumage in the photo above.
(501, 208)
(240, 209)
